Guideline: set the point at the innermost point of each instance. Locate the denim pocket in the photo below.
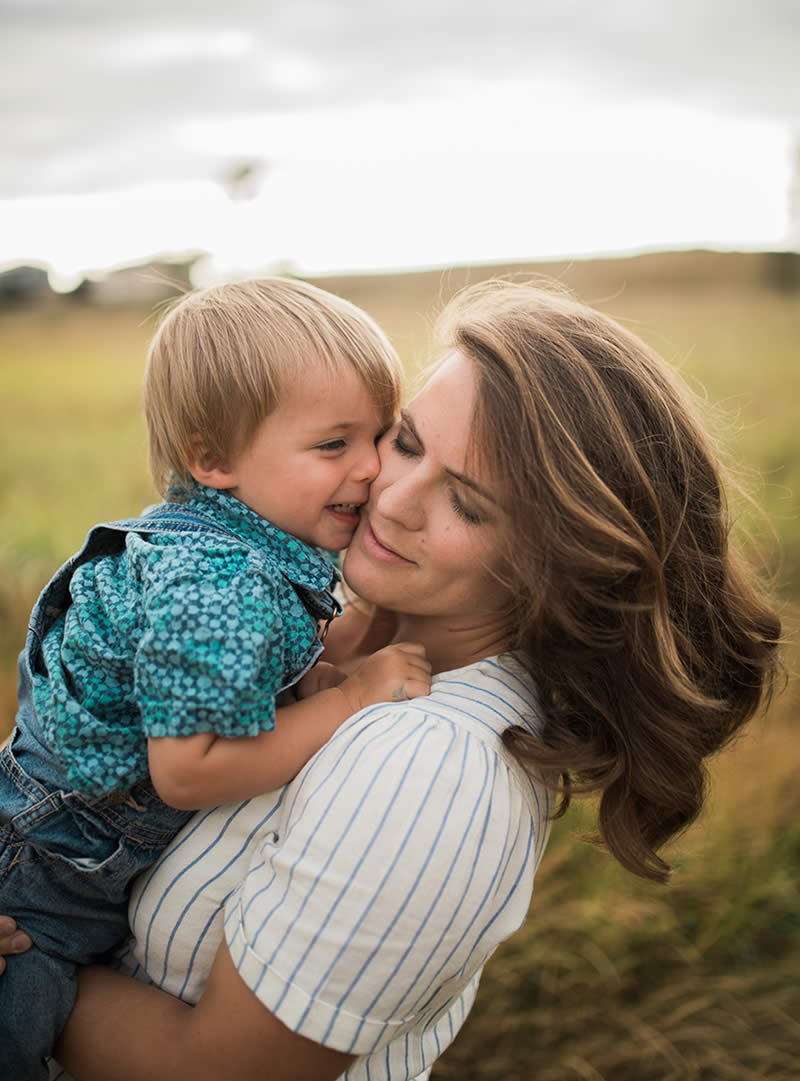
(72, 900)
(72, 873)
(105, 842)
(50, 826)
(138, 815)
(116, 864)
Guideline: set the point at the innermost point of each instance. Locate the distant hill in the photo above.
(144, 285)
(405, 303)
(584, 276)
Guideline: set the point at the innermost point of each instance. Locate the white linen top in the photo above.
(361, 900)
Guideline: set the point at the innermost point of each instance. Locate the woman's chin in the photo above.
(353, 573)
(366, 579)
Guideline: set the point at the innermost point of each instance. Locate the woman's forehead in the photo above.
(442, 415)
(444, 404)
(453, 373)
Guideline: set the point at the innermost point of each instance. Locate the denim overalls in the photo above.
(67, 860)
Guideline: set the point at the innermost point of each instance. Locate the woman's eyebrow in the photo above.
(405, 416)
(461, 477)
(470, 483)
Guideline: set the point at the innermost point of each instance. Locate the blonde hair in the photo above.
(222, 358)
(643, 627)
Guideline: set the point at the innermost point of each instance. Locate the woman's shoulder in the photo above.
(444, 750)
(480, 700)
(496, 692)
(412, 819)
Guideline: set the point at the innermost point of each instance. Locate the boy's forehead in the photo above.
(327, 396)
(307, 368)
(314, 380)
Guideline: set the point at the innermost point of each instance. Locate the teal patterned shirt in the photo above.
(174, 635)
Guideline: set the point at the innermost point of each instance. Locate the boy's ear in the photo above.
(206, 468)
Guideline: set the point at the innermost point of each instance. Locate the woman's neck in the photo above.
(450, 645)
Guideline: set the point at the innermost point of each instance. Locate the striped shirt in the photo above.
(361, 901)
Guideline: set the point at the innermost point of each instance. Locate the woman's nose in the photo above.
(400, 500)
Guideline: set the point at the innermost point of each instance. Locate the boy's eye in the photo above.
(331, 444)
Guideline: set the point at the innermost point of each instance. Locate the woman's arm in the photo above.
(130, 1031)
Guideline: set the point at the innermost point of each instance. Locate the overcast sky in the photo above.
(105, 94)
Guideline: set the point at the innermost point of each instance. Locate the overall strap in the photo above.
(171, 518)
(109, 538)
(174, 518)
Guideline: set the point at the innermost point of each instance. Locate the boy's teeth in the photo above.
(345, 508)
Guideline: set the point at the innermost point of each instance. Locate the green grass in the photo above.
(611, 979)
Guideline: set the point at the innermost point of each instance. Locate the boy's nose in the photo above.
(368, 465)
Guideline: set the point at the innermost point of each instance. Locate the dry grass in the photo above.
(616, 980)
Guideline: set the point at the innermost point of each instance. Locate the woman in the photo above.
(549, 523)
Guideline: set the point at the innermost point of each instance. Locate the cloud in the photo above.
(99, 93)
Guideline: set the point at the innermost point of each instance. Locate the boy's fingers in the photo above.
(416, 658)
(409, 647)
(412, 675)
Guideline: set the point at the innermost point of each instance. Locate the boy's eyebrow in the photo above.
(405, 416)
(340, 426)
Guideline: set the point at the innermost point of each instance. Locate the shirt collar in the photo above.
(299, 562)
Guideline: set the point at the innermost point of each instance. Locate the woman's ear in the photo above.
(207, 468)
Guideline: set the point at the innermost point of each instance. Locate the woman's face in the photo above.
(429, 531)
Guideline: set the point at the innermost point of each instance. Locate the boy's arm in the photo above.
(204, 770)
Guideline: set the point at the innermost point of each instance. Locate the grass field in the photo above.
(611, 979)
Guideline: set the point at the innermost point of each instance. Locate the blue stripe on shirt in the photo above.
(365, 850)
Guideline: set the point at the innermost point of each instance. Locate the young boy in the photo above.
(154, 658)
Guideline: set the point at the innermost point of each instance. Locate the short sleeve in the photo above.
(401, 861)
(211, 653)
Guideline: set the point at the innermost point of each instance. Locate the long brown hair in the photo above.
(644, 629)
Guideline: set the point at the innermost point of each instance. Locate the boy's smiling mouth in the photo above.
(344, 508)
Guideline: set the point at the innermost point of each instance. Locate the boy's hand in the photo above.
(322, 677)
(393, 674)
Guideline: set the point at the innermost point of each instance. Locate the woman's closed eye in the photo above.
(404, 444)
(467, 513)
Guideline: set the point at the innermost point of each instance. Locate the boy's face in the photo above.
(310, 464)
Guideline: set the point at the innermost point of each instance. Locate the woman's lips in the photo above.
(375, 547)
